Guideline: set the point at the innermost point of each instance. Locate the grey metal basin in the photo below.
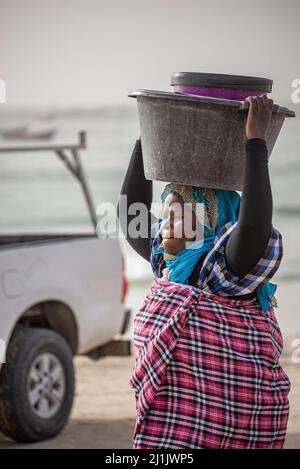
(197, 140)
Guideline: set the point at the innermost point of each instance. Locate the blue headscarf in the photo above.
(183, 263)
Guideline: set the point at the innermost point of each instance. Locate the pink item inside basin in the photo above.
(224, 93)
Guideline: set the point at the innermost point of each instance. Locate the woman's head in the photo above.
(191, 213)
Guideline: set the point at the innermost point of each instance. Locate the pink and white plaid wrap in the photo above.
(207, 372)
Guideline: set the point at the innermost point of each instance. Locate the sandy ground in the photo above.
(103, 415)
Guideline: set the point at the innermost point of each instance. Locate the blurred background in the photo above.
(69, 65)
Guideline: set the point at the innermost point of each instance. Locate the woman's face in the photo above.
(176, 228)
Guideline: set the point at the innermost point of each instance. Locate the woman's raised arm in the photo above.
(137, 189)
(249, 239)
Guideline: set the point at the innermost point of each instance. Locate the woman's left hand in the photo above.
(259, 116)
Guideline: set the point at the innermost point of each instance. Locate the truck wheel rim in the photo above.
(46, 385)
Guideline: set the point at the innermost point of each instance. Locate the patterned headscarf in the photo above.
(221, 206)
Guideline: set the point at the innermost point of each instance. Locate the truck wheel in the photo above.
(36, 385)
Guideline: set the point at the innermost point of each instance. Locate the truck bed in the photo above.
(29, 239)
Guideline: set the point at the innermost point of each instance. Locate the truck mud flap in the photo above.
(117, 347)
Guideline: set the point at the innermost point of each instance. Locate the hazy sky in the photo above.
(92, 52)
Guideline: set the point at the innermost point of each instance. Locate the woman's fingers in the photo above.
(252, 104)
(264, 102)
(259, 103)
(259, 114)
(270, 104)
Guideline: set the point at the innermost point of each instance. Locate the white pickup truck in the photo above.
(60, 295)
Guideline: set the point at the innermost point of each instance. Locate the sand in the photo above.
(103, 415)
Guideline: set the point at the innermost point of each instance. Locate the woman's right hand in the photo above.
(259, 116)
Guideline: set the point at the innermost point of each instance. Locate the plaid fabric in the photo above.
(214, 275)
(207, 372)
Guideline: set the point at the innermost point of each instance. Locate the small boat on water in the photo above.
(33, 131)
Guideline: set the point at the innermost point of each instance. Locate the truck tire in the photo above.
(36, 385)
